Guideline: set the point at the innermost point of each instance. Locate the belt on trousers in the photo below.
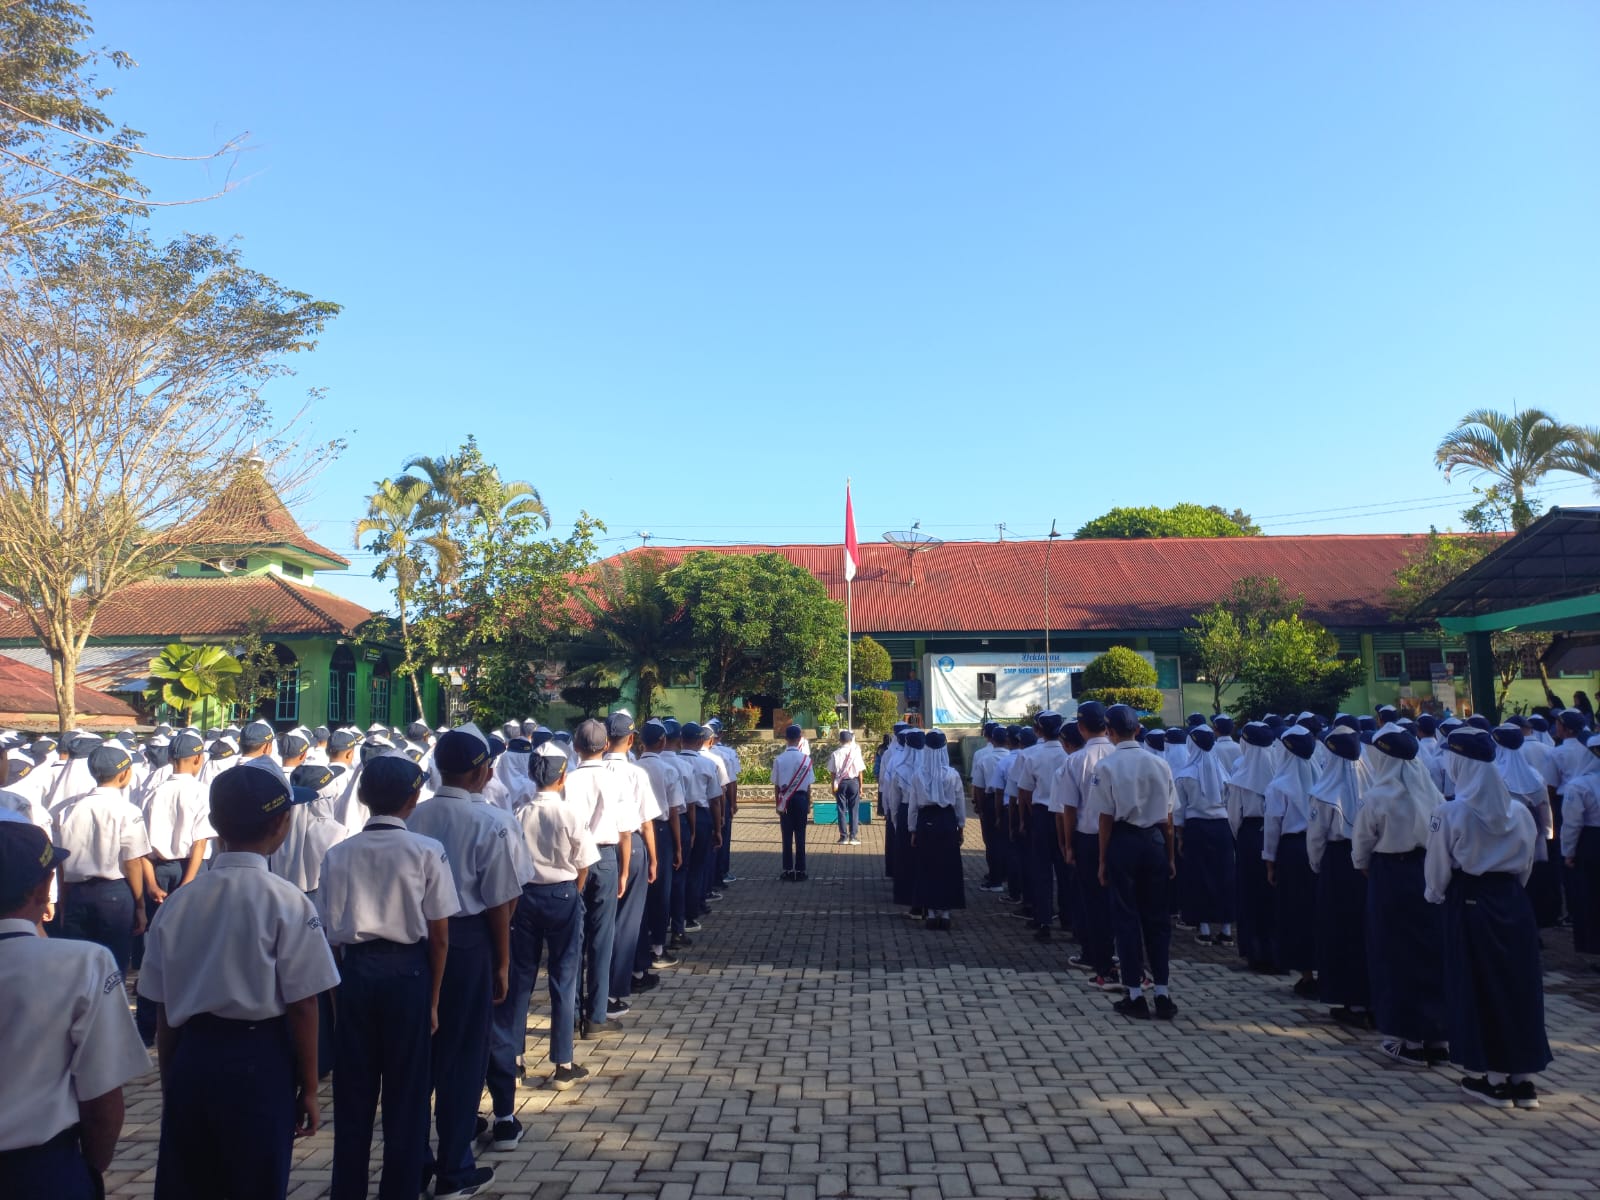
(605, 845)
(214, 1023)
(379, 946)
(1401, 855)
(67, 1137)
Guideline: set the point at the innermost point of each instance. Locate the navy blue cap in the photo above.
(900, 727)
(791, 732)
(257, 733)
(1223, 724)
(418, 730)
(1272, 721)
(1479, 721)
(1195, 719)
(619, 725)
(1257, 733)
(692, 732)
(1539, 724)
(184, 745)
(223, 747)
(1072, 736)
(1027, 737)
(1092, 716)
(391, 773)
(1344, 742)
(1049, 722)
(1367, 724)
(343, 739)
(321, 733)
(26, 856)
(1122, 720)
(1300, 744)
(653, 733)
(1203, 737)
(1177, 735)
(916, 739)
(1508, 735)
(1572, 719)
(460, 753)
(295, 743)
(1520, 721)
(312, 775)
(539, 737)
(670, 724)
(497, 745)
(1471, 742)
(1397, 743)
(246, 795)
(1387, 713)
(564, 736)
(1427, 723)
(937, 739)
(1155, 739)
(107, 761)
(520, 745)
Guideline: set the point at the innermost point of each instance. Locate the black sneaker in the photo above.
(1129, 1007)
(1224, 939)
(916, 914)
(1306, 988)
(691, 927)
(1204, 939)
(713, 897)
(1042, 934)
(1079, 961)
(1165, 1008)
(1406, 1056)
(1524, 1094)
(786, 877)
(481, 1129)
(727, 879)
(596, 1032)
(644, 983)
(663, 962)
(1437, 1056)
(1009, 900)
(468, 1185)
(1495, 1095)
(799, 876)
(615, 1008)
(506, 1135)
(565, 1077)
(1354, 1018)
(679, 941)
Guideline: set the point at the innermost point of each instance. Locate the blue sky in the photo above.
(689, 265)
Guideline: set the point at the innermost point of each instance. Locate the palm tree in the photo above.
(635, 631)
(402, 527)
(1583, 457)
(1517, 450)
(185, 676)
(500, 501)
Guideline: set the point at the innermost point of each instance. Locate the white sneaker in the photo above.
(855, 841)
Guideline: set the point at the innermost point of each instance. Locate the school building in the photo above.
(250, 561)
(988, 599)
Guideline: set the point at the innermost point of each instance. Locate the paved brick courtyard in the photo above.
(816, 1043)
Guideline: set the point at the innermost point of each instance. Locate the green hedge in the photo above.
(1119, 667)
(1145, 699)
(876, 710)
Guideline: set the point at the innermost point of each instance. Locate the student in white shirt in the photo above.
(596, 792)
(1205, 841)
(1341, 912)
(666, 787)
(938, 817)
(1079, 830)
(791, 783)
(845, 767)
(103, 880)
(1580, 850)
(1287, 810)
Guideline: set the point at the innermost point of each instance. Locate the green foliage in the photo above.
(590, 698)
(1295, 666)
(1222, 637)
(1181, 520)
(184, 676)
(1497, 510)
(1438, 561)
(1119, 667)
(1145, 699)
(761, 626)
(870, 662)
(258, 665)
(875, 709)
(1516, 450)
(636, 632)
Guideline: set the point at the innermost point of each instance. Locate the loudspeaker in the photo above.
(1075, 682)
(986, 685)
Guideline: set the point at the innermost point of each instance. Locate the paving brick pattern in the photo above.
(815, 1043)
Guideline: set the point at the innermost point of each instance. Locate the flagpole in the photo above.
(849, 666)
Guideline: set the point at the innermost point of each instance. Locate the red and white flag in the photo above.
(852, 557)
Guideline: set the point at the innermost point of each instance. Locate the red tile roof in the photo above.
(213, 608)
(249, 513)
(28, 701)
(1102, 584)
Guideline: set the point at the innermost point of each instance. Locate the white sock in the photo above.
(1227, 928)
(1494, 1077)
(1161, 989)
(498, 1118)
(1205, 928)
(658, 950)
(1135, 992)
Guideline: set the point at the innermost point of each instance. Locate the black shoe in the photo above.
(506, 1135)
(930, 923)
(615, 1008)
(1165, 1008)
(1129, 1007)
(1306, 988)
(727, 879)
(663, 962)
(1495, 1095)
(786, 877)
(1354, 1018)
(1079, 961)
(565, 1077)
(1524, 1094)
(1406, 1056)
(692, 927)
(680, 941)
(468, 1185)
(799, 876)
(944, 924)
(713, 897)
(480, 1129)
(1042, 934)
(1437, 1056)
(916, 914)
(1224, 939)
(1204, 939)
(645, 982)
(597, 1032)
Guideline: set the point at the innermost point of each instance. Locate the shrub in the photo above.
(870, 661)
(876, 710)
(1119, 667)
(1144, 699)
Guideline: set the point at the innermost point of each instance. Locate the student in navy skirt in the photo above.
(938, 816)
(883, 770)
(1580, 852)
(1341, 914)
(905, 778)
(1283, 847)
(1405, 934)
(1480, 854)
(1205, 840)
(1255, 901)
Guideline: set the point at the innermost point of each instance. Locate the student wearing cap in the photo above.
(1034, 774)
(67, 1041)
(1404, 933)
(716, 867)
(103, 880)
(235, 961)
(1079, 831)
(938, 818)
(1341, 907)
(489, 866)
(1480, 853)
(317, 755)
(993, 880)
(386, 898)
(666, 786)
(888, 805)
(706, 798)
(74, 781)
(312, 830)
(1204, 839)
(906, 779)
(637, 813)
(221, 755)
(1133, 795)
(678, 898)
(722, 871)
(1580, 851)
(792, 775)
(596, 792)
(845, 768)
(1283, 848)
(1228, 751)
(548, 924)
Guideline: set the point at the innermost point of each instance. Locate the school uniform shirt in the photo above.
(1482, 831)
(176, 816)
(731, 761)
(1572, 759)
(1542, 759)
(1398, 799)
(705, 786)
(67, 1034)
(15, 804)
(385, 884)
(939, 788)
(1200, 788)
(1134, 788)
(311, 836)
(980, 757)
(1335, 805)
(791, 773)
(1580, 811)
(558, 841)
(238, 943)
(638, 802)
(1036, 768)
(102, 831)
(482, 846)
(666, 785)
(1287, 804)
(1071, 784)
(1228, 753)
(846, 763)
(676, 767)
(596, 792)
(717, 761)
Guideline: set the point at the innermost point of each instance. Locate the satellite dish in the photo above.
(227, 565)
(914, 542)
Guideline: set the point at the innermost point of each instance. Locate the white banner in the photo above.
(952, 684)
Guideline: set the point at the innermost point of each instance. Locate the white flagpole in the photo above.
(849, 666)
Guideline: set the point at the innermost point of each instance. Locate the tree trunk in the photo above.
(64, 674)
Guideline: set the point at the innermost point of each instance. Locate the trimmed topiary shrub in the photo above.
(1122, 676)
(876, 710)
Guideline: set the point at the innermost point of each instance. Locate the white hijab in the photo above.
(1404, 783)
(1481, 789)
(1296, 776)
(1255, 770)
(1520, 778)
(931, 766)
(1203, 768)
(1339, 784)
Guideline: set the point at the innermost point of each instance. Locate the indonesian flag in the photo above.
(852, 557)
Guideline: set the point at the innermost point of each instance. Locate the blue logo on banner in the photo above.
(947, 664)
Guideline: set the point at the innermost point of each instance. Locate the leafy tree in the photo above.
(876, 710)
(185, 676)
(1181, 520)
(1122, 676)
(590, 698)
(636, 631)
(258, 665)
(1516, 450)
(762, 626)
(130, 395)
(870, 662)
(1221, 640)
(1295, 666)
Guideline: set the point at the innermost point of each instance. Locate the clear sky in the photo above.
(689, 265)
